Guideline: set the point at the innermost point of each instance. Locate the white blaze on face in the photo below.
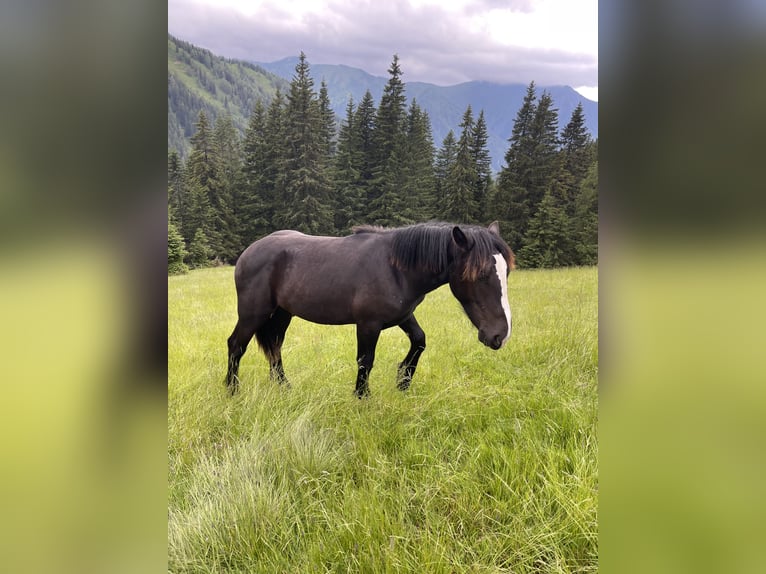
(501, 268)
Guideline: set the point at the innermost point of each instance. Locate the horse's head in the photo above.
(478, 279)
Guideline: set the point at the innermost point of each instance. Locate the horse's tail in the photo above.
(271, 334)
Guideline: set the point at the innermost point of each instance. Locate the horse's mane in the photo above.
(427, 245)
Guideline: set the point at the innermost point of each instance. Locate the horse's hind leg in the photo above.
(366, 341)
(270, 337)
(238, 341)
(417, 346)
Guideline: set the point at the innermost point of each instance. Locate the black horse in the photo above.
(375, 279)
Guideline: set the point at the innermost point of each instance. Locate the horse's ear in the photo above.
(494, 228)
(460, 239)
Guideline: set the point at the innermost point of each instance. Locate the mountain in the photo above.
(445, 105)
(200, 80)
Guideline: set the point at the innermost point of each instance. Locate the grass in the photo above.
(487, 464)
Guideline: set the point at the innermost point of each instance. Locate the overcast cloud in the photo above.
(441, 42)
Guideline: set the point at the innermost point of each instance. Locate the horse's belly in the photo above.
(324, 317)
(324, 310)
(341, 308)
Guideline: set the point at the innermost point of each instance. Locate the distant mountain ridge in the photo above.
(445, 104)
(200, 80)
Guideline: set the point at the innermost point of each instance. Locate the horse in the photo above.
(374, 278)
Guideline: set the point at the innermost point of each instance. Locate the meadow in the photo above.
(487, 464)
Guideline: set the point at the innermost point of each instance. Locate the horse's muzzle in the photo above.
(493, 343)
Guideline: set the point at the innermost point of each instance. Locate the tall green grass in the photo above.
(487, 464)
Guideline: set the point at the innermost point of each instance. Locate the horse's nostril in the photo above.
(497, 342)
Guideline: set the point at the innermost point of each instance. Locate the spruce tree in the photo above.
(254, 216)
(483, 161)
(548, 242)
(586, 218)
(346, 175)
(418, 166)
(176, 192)
(200, 251)
(273, 180)
(326, 123)
(512, 199)
(545, 157)
(176, 250)
(386, 195)
(306, 180)
(225, 207)
(575, 146)
(364, 134)
(532, 165)
(576, 156)
(461, 183)
(201, 182)
(390, 208)
(390, 118)
(445, 159)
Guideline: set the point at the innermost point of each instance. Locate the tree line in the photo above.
(295, 168)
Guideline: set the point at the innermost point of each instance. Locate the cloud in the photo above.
(442, 44)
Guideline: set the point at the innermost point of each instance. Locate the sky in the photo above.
(444, 42)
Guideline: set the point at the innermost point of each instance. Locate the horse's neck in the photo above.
(427, 281)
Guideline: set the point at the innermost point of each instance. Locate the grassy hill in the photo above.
(488, 463)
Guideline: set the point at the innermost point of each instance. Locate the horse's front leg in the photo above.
(417, 346)
(366, 341)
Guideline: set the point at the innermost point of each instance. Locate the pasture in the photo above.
(487, 464)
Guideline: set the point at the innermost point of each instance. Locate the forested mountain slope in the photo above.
(198, 81)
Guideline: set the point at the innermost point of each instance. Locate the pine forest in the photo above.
(299, 167)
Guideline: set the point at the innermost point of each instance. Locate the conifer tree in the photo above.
(201, 182)
(390, 118)
(176, 250)
(326, 123)
(176, 192)
(575, 146)
(388, 150)
(200, 252)
(461, 183)
(350, 201)
(576, 157)
(532, 165)
(512, 198)
(445, 159)
(254, 217)
(484, 182)
(548, 242)
(419, 182)
(364, 134)
(586, 218)
(390, 208)
(202, 165)
(273, 180)
(306, 183)
(225, 208)
(545, 152)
